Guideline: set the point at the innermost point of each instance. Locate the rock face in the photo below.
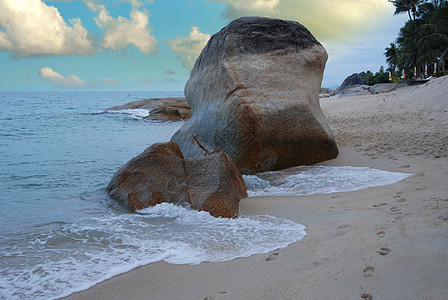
(254, 92)
(161, 109)
(161, 174)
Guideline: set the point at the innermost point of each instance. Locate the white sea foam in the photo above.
(75, 256)
(309, 180)
(133, 113)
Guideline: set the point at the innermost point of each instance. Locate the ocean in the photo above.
(60, 233)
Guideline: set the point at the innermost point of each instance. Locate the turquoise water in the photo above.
(60, 233)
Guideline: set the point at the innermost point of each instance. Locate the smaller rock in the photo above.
(380, 88)
(209, 183)
(169, 113)
(157, 175)
(215, 184)
(160, 109)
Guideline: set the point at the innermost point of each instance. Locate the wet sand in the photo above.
(387, 242)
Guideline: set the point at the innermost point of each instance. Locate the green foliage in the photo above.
(379, 77)
(423, 40)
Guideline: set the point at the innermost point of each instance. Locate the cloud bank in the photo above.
(189, 47)
(70, 81)
(32, 28)
(328, 20)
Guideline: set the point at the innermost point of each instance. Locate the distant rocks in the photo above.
(380, 88)
(354, 79)
(357, 90)
(161, 109)
(210, 183)
(254, 92)
(354, 86)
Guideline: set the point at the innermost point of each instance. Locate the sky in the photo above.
(151, 45)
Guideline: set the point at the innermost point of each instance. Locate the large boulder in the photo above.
(210, 183)
(254, 92)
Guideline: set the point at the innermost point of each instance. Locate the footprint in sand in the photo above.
(368, 272)
(366, 296)
(213, 297)
(383, 251)
(381, 234)
(394, 209)
(272, 256)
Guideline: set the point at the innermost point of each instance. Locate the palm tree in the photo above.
(408, 6)
(392, 57)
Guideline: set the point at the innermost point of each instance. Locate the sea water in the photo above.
(60, 233)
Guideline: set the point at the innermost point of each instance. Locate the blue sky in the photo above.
(151, 45)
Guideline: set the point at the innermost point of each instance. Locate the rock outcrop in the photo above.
(254, 92)
(210, 183)
(381, 88)
(354, 79)
(161, 109)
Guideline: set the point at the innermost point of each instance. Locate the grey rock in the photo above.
(354, 79)
(355, 91)
(254, 93)
(380, 88)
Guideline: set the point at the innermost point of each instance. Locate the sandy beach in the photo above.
(387, 242)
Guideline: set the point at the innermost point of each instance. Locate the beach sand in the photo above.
(387, 242)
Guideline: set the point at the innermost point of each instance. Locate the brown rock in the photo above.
(155, 176)
(161, 109)
(210, 183)
(215, 184)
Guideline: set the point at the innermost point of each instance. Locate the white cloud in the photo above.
(119, 33)
(110, 81)
(190, 46)
(32, 28)
(70, 81)
(187, 61)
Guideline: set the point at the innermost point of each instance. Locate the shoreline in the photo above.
(378, 241)
(386, 242)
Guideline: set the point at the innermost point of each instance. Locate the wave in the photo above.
(307, 180)
(75, 256)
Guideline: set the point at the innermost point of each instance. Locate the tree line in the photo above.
(421, 47)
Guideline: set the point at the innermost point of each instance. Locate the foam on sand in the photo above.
(76, 256)
(309, 180)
